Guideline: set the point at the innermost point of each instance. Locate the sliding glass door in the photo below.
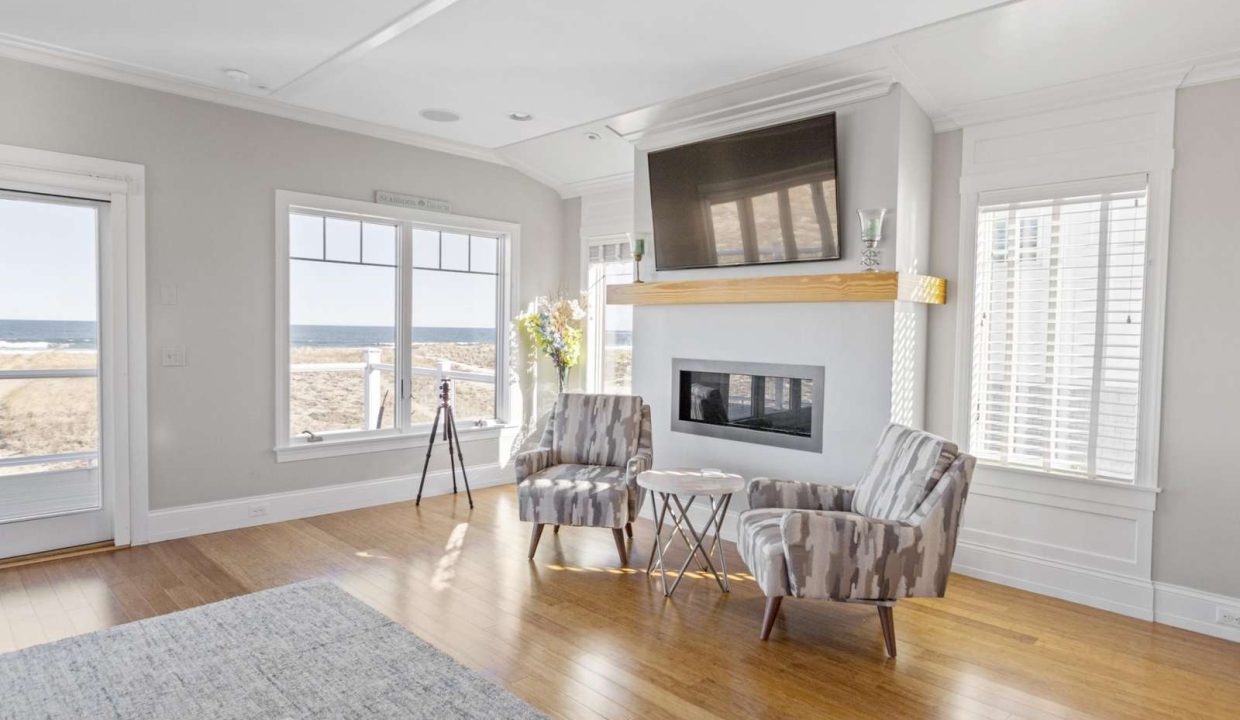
(52, 491)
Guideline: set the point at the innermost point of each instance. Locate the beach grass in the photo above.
(59, 415)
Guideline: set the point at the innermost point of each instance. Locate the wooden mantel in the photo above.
(841, 287)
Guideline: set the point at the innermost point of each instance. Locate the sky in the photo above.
(47, 261)
(334, 294)
(48, 256)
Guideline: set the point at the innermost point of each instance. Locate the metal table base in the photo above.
(679, 512)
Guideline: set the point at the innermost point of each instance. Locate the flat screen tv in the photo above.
(762, 196)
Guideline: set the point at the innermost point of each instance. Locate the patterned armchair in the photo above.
(892, 536)
(584, 472)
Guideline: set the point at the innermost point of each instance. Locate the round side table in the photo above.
(669, 487)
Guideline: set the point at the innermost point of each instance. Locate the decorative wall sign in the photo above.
(385, 197)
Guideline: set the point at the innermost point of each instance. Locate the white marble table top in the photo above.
(691, 481)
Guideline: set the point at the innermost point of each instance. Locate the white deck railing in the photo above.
(371, 370)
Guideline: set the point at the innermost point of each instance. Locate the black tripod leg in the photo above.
(449, 433)
(429, 446)
(451, 420)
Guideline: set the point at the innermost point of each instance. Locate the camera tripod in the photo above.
(449, 435)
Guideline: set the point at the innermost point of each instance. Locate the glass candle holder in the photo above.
(637, 244)
(871, 234)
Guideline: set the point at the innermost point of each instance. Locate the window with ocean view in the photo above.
(49, 350)
(380, 310)
(609, 328)
(342, 316)
(454, 320)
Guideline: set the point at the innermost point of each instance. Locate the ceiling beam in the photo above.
(360, 49)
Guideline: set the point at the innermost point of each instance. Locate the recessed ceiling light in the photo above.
(593, 136)
(439, 115)
(520, 116)
(240, 77)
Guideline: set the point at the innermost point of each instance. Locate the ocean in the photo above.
(28, 335)
(48, 334)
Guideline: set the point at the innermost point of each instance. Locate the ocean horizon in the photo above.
(34, 335)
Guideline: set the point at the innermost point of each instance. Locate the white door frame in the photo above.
(122, 372)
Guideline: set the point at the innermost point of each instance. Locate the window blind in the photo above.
(610, 252)
(1057, 328)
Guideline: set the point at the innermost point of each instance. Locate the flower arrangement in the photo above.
(553, 326)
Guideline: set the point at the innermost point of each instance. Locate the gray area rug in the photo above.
(308, 650)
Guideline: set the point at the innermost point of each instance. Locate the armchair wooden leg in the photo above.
(534, 536)
(556, 530)
(772, 611)
(887, 618)
(628, 529)
(618, 534)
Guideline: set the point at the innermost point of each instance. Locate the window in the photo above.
(1057, 328)
(455, 306)
(380, 304)
(49, 353)
(609, 328)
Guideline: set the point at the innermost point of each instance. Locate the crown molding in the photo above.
(1084, 92)
(1214, 69)
(607, 183)
(94, 66)
(1167, 76)
(759, 112)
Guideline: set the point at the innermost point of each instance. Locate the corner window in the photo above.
(378, 305)
(1058, 318)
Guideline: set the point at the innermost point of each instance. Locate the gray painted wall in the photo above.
(1197, 521)
(944, 253)
(1197, 524)
(211, 176)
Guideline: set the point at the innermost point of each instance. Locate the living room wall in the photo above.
(1195, 523)
(212, 172)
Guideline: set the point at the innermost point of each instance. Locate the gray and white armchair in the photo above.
(891, 536)
(584, 472)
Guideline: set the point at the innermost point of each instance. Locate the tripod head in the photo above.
(445, 393)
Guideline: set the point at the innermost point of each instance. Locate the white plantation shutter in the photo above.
(1057, 323)
(610, 252)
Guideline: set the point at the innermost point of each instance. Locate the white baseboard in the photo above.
(1195, 610)
(187, 520)
(1117, 593)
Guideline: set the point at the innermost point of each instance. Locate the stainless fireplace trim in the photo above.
(817, 373)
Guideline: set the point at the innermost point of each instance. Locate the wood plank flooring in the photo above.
(576, 635)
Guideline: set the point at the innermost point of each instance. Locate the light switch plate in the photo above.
(167, 293)
(172, 356)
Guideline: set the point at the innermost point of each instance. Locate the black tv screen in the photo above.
(763, 196)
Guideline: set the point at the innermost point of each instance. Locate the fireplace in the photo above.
(763, 403)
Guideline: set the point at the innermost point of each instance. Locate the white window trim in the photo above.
(123, 369)
(1154, 160)
(414, 436)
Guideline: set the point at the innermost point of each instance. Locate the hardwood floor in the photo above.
(579, 637)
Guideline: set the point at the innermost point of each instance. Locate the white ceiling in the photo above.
(566, 62)
(583, 66)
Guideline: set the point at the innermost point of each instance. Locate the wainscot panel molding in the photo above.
(199, 519)
(1084, 540)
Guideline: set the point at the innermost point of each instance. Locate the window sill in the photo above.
(329, 447)
(1006, 479)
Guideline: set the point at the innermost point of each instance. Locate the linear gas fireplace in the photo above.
(762, 403)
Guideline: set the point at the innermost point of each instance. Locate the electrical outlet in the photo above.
(258, 510)
(1228, 617)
